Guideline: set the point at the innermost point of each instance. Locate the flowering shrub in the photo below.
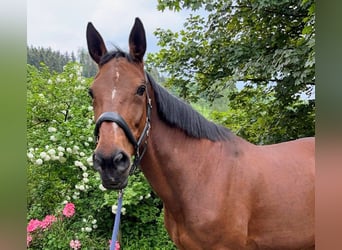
(75, 244)
(61, 180)
(69, 209)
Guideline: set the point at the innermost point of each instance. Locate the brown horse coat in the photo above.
(219, 191)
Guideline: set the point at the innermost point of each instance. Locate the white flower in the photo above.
(84, 168)
(30, 155)
(52, 129)
(68, 133)
(62, 159)
(53, 138)
(94, 221)
(101, 187)
(86, 144)
(49, 81)
(85, 180)
(148, 196)
(31, 150)
(82, 154)
(90, 108)
(90, 139)
(39, 161)
(71, 76)
(42, 154)
(54, 157)
(61, 149)
(90, 160)
(85, 175)
(69, 150)
(114, 208)
(81, 187)
(75, 148)
(47, 158)
(94, 226)
(141, 197)
(60, 154)
(88, 229)
(78, 163)
(123, 210)
(52, 152)
(84, 220)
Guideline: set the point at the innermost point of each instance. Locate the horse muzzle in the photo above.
(114, 169)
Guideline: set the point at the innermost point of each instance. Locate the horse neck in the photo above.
(173, 160)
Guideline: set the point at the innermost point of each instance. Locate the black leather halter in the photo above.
(117, 118)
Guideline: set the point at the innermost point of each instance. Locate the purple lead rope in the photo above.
(116, 221)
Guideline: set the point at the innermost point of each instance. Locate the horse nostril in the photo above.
(117, 158)
(121, 160)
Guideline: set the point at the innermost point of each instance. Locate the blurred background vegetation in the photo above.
(248, 65)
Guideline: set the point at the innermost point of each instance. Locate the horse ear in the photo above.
(96, 46)
(137, 41)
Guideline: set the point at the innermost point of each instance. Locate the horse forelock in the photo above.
(117, 53)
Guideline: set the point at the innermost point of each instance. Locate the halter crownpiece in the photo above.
(120, 121)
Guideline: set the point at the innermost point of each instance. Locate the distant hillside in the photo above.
(55, 60)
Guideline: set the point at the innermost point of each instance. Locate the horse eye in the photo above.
(141, 90)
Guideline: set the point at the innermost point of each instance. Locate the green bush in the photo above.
(59, 169)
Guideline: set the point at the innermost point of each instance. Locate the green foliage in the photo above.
(55, 60)
(259, 117)
(59, 170)
(268, 44)
(89, 67)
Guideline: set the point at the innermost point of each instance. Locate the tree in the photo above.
(267, 44)
(53, 59)
(89, 67)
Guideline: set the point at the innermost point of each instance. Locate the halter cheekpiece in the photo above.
(120, 121)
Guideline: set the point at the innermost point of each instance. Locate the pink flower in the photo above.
(28, 240)
(33, 225)
(75, 244)
(117, 244)
(69, 209)
(48, 220)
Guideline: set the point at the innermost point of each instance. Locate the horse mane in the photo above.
(174, 111)
(177, 113)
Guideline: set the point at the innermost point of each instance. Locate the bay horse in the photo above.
(218, 190)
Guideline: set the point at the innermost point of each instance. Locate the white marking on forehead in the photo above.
(117, 74)
(113, 93)
(116, 79)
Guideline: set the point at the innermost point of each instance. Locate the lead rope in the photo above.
(116, 221)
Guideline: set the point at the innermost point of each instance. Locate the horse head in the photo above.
(121, 105)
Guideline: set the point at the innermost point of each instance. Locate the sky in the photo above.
(61, 24)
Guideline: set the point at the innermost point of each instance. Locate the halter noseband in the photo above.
(117, 118)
